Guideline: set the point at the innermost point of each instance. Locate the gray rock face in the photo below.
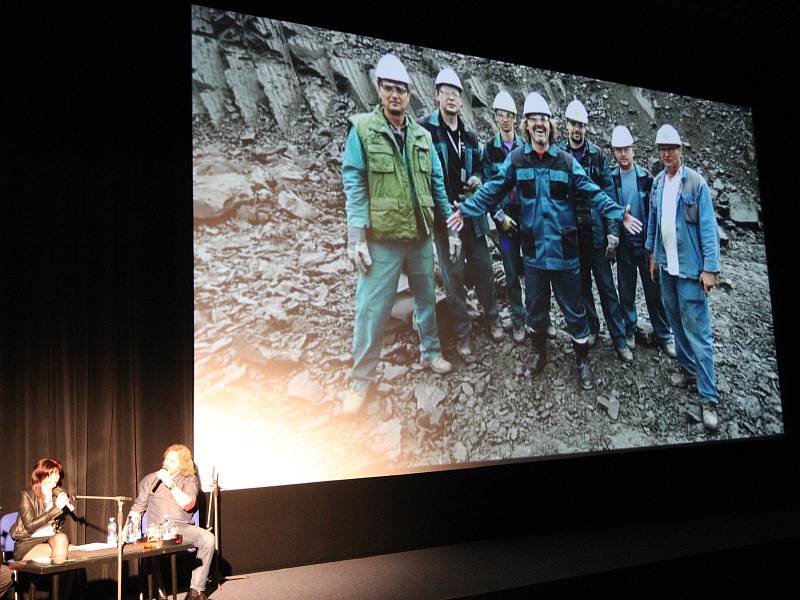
(743, 211)
(428, 396)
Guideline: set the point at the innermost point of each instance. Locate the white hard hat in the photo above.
(667, 135)
(576, 111)
(534, 103)
(390, 67)
(448, 77)
(504, 101)
(621, 137)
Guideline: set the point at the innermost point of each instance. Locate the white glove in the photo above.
(357, 249)
(454, 241)
(611, 248)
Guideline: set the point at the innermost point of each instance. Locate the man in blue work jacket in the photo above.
(683, 242)
(547, 180)
(394, 184)
(598, 237)
(507, 217)
(630, 187)
(460, 155)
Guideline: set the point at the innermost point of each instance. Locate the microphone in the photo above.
(68, 505)
(156, 483)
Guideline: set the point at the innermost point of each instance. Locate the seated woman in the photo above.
(41, 513)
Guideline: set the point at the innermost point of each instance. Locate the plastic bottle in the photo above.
(166, 529)
(111, 538)
(131, 533)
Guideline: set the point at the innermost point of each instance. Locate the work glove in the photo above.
(454, 242)
(357, 249)
(473, 183)
(611, 248)
(508, 224)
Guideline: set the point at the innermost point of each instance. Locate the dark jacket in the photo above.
(473, 161)
(32, 516)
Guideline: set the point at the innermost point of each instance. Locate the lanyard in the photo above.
(457, 147)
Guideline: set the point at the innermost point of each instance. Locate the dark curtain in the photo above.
(95, 274)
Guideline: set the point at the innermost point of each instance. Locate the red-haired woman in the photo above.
(41, 513)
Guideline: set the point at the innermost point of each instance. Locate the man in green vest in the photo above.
(393, 182)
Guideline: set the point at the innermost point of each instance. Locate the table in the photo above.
(130, 552)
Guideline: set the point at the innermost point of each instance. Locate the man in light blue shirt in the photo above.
(630, 187)
(683, 242)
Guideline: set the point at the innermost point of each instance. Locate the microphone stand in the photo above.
(213, 508)
(120, 540)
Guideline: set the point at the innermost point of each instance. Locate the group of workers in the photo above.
(563, 217)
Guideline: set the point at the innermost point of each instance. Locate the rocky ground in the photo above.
(274, 292)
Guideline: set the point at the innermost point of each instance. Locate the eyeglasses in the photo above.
(394, 89)
(534, 118)
(577, 124)
(501, 114)
(449, 92)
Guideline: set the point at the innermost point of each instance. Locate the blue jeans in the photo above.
(609, 301)
(475, 263)
(566, 289)
(585, 254)
(514, 268)
(686, 306)
(631, 260)
(375, 296)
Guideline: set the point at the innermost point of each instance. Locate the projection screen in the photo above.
(274, 290)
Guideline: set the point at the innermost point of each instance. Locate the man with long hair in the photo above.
(172, 492)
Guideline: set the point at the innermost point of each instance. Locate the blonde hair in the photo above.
(184, 457)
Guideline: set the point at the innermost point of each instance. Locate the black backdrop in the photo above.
(96, 280)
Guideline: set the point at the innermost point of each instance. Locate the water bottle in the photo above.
(166, 529)
(131, 533)
(112, 531)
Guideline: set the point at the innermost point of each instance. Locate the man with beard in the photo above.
(683, 243)
(631, 185)
(393, 182)
(507, 217)
(598, 237)
(546, 179)
(460, 155)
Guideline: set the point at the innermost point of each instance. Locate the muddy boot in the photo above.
(538, 357)
(584, 372)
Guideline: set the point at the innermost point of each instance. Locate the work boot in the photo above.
(551, 329)
(668, 348)
(438, 364)
(538, 357)
(630, 339)
(496, 330)
(624, 354)
(584, 371)
(464, 348)
(710, 418)
(354, 400)
(684, 379)
(519, 333)
(196, 594)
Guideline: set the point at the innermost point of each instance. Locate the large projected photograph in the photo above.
(409, 259)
